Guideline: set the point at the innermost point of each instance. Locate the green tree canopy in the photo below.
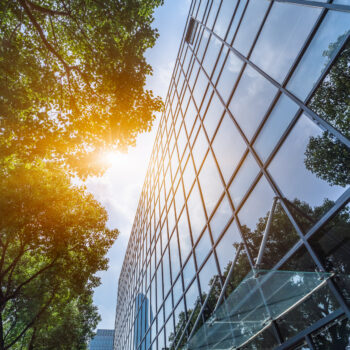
(53, 241)
(327, 157)
(72, 79)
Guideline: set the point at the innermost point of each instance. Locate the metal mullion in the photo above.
(337, 294)
(209, 144)
(318, 324)
(200, 190)
(309, 248)
(341, 201)
(318, 4)
(309, 342)
(308, 112)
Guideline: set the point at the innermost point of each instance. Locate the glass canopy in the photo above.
(262, 297)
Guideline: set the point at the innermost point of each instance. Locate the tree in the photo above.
(327, 157)
(53, 241)
(72, 79)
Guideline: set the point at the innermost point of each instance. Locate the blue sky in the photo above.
(120, 187)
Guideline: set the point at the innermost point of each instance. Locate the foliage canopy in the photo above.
(72, 79)
(53, 241)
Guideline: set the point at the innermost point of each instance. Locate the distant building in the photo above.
(103, 340)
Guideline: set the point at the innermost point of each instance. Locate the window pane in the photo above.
(208, 272)
(191, 297)
(184, 236)
(188, 271)
(219, 64)
(196, 212)
(251, 100)
(243, 179)
(228, 147)
(331, 99)
(229, 76)
(213, 115)
(284, 32)
(305, 189)
(200, 149)
(334, 26)
(174, 255)
(335, 336)
(211, 54)
(220, 218)
(166, 272)
(317, 306)
(227, 247)
(224, 18)
(213, 12)
(201, 86)
(190, 116)
(236, 21)
(177, 290)
(275, 126)
(188, 176)
(332, 245)
(203, 248)
(210, 182)
(250, 25)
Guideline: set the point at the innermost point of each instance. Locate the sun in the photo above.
(111, 158)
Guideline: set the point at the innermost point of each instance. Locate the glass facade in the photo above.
(247, 187)
(103, 340)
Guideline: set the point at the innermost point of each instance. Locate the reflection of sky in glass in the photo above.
(251, 100)
(188, 271)
(276, 50)
(184, 235)
(224, 17)
(203, 247)
(229, 76)
(250, 25)
(314, 60)
(196, 212)
(208, 271)
(220, 218)
(213, 116)
(225, 250)
(257, 205)
(289, 171)
(211, 55)
(210, 182)
(274, 127)
(243, 179)
(228, 147)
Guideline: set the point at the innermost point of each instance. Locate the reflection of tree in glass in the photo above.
(282, 236)
(327, 157)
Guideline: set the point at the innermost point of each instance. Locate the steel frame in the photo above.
(304, 239)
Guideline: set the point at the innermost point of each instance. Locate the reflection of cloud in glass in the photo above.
(314, 60)
(210, 182)
(196, 212)
(276, 50)
(289, 171)
(251, 100)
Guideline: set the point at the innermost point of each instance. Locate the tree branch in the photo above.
(42, 36)
(13, 263)
(21, 285)
(32, 322)
(45, 10)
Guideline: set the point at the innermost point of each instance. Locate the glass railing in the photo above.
(263, 296)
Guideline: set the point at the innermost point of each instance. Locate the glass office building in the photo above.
(103, 340)
(241, 238)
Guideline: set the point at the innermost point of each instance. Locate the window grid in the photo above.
(150, 192)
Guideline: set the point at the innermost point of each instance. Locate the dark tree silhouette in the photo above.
(327, 157)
